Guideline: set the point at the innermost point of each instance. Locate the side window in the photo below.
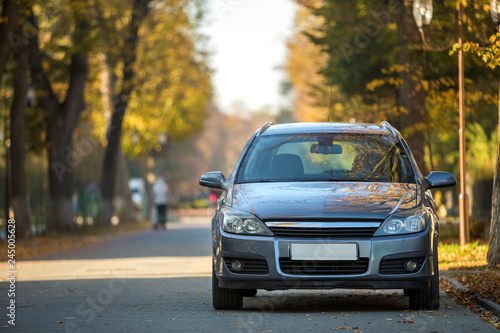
(256, 166)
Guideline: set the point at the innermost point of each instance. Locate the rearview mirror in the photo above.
(437, 179)
(214, 179)
(326, 149)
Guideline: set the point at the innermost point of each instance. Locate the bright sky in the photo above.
(248, 41)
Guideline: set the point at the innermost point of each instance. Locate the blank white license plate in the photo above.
(323, 251)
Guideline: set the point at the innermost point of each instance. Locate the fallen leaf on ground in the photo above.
(468, 298)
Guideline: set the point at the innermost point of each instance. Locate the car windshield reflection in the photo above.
(326, 157)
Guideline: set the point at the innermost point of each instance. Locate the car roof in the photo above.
(302, 128)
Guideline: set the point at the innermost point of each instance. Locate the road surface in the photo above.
(160, 282)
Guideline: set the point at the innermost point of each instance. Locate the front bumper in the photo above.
(274, 252)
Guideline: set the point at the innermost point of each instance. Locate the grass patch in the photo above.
(469, 257)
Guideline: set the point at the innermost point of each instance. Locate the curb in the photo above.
(485, 303)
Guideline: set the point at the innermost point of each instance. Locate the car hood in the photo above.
(323, 200)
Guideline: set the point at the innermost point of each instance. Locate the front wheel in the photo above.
(224, 298)
(427, 298)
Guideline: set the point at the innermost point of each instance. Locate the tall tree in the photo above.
(490, 54)
(18, 138)
(493, 256)
(62, 117)
(170, 84)
(140, 9)
(305, 60)
(411, 95)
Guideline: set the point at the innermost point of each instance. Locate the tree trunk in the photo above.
(111, 156)
(493, 257)
(108, 84)
(61, 119)
(111, 164)
(18, 144)
(411, 93)
(60, 180)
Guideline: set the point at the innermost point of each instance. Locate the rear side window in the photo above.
(326, 157)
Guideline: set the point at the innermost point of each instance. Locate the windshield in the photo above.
(326, 157)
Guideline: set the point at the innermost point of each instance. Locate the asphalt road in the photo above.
(160, 282)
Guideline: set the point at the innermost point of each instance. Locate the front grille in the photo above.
(316, 267)
(322, 232)
(250, 266)
(397, 266)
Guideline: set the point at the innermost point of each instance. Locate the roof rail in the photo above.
(264, 127)
(389, 128)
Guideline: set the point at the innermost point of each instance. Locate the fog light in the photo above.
(410, 266)
(237, 265)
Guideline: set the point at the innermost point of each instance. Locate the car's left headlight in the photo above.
(404, 224)
(243, 223)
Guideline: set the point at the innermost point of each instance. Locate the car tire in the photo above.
(427, 298)
(224, 298)
(249, 292)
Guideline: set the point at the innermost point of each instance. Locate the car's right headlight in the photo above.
(414, 222)
(243, 223)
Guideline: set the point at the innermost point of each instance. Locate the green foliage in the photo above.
(481, 148)
(489, 54)
(360, 42)
(354, 43)
(172, 84)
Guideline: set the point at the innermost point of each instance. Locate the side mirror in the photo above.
(214, 179)
(437, 179)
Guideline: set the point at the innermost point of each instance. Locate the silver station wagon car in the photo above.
(323, 206)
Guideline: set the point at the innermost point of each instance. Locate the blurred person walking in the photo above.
(160, 198)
